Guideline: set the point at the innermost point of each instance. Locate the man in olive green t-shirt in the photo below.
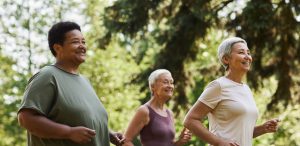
(60, 107)
(68, 99)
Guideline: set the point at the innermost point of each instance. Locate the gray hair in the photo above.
(226, 46)
(154, 76)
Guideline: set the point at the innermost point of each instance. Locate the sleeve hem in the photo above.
(32, 108)
(207, 103)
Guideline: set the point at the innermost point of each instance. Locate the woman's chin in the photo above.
(246, 69)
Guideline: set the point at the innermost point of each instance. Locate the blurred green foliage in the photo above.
(120, 57)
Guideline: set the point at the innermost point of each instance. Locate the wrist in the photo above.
(127, 140)
(110, 133)
(217, 141)
(178, 143)
(261, 129)
(68, 132)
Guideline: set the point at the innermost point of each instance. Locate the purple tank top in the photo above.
(159, 131)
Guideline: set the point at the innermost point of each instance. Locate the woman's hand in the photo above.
(268, 127)
(184, 137)
(271, 126)
(81, 134)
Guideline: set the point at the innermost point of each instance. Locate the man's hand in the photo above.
(81, 134)
(116, 138)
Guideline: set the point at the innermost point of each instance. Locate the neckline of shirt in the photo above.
(64, 70)
(150, 108)
(236, 83)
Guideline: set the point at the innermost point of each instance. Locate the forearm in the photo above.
(268, 127)
(258, 130)
(127, 143)
(196, 127)
(129, 135)
(43, 127)
(178, 143)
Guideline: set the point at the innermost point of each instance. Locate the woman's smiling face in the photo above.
(164, 86)
(240, 58)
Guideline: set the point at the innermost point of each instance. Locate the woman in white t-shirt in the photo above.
(228, 102)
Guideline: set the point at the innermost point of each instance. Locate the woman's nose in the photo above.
(171, 85)
(248, 57)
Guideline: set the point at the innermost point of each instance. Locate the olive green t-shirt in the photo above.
(67, 99)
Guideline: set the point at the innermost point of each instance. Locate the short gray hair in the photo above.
(225, 48)
(154, 76)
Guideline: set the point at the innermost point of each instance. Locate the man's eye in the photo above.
(75, 42)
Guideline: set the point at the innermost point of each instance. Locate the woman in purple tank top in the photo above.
(152, 121)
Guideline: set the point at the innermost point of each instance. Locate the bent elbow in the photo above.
(186, 122)
(25, 118)
(22, 119)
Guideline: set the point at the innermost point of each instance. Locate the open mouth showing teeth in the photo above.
(81, 52)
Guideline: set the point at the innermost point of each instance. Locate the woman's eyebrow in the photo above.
(242, 49)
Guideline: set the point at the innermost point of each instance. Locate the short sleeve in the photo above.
(40, 93)
(211, 95)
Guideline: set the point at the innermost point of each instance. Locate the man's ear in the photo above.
(57, 48)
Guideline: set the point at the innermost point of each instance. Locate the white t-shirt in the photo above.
(234, 111)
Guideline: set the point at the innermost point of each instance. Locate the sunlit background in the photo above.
(127, 39)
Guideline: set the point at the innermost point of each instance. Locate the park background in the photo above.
(127, 39)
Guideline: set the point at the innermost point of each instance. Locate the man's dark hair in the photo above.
(56, 34)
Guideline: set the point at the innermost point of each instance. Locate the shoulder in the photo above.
(143, 110)
(48, 70)
(246, 86)
(247, 89)
(142, 114)
(44, 73)
(214, 85)
(211, 96)
(226, 83)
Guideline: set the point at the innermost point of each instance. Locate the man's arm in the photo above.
(43, 127)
